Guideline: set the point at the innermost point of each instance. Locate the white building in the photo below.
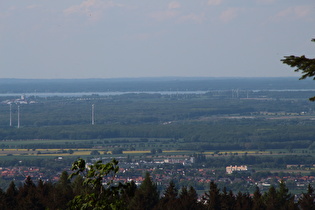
(230, 169)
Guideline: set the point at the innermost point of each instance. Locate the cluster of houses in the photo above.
(13, 172)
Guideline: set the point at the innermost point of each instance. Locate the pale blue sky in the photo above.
(141, 38)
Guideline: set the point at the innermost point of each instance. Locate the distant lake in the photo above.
(80, 94)
(114, 93)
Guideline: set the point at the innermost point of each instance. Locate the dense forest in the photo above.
(214, 120)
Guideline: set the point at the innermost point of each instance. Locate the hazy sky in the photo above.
(142, 38)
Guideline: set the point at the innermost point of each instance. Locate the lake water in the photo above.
(80, 94)
(113, 93)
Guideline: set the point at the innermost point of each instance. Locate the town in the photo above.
(184, 171)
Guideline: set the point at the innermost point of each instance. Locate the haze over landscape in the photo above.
(169, 104)
(114, 39)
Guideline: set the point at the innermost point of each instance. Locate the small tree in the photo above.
(307, 199)
(94, 176)
(212, 197)
(170, 198)
(257, 200)
(153, 151)
(62, 192)
(270, 199)
(11, 193)
(117, 151)
(95, 152)
(284, 198)
(188, 199)
(146, 196)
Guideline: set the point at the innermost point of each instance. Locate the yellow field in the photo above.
(66, 154)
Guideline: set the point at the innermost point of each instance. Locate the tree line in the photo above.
(221, 135)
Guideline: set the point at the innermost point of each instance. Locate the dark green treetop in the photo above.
(303, 64)
(94, 177)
